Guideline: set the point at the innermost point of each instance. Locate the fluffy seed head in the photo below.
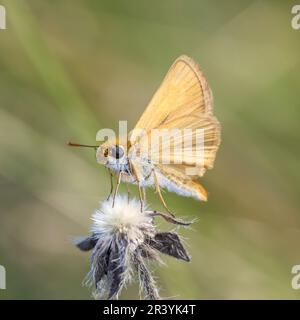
(122, 240)
(124, 218)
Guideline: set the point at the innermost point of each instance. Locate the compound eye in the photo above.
(117, 152)
(105, 153)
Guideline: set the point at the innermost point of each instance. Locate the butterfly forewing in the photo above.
(183, 90)
(183, 101)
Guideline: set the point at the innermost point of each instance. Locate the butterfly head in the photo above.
(113, 155)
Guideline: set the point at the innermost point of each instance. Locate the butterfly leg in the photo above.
(117, 188)
(142, 192)
(158, 190)
(136, 174)
(128, 192)
(141, 197)
(111, 185)
(144, 195)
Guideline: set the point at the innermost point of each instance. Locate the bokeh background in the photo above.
(69, 68)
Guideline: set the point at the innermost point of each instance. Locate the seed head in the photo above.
(122, 240)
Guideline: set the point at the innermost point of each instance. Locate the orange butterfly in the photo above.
(183, 104)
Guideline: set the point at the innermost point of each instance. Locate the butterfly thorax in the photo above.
(131, 164)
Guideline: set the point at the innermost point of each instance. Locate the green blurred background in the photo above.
(69, 68)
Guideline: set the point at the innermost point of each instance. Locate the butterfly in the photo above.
(182, 104)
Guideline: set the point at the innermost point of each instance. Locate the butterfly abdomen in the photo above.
(186, 187)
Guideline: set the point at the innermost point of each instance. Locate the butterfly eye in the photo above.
(117, 152)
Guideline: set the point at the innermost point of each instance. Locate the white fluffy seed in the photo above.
(124, 217)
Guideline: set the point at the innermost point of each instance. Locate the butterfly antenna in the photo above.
(72, 144)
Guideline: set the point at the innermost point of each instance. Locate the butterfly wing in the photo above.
(184, 90)
(183, 101)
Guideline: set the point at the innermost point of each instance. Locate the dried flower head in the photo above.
(122, 239)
